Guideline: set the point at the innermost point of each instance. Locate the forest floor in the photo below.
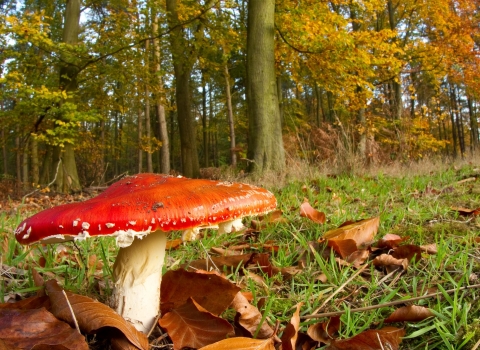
(384, 260)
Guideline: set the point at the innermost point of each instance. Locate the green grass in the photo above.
(408, 205)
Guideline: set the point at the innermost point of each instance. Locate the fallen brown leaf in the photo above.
(90, 314)
(390, 263)
(37, 329)
(290, 334)
(212, 292)
(324, 332)
(385, 338)
(190, 325)
(250, 317)
(411, 313)
(241, 343)
(306, 210)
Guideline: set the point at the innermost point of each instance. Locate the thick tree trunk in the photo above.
(265, 144)
(162, 121)
(183, 70)
(67, 179)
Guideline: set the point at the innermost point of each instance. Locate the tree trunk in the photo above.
(183, 71)
(231, 123)
(396, 97)
(140, 136)
(206, 149)
(473, 124)
(4, 152)
(265, 144)
(34, 157)
(162, 122)
(67, 179)
(148, 129)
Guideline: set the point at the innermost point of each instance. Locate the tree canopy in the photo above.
(161, 85)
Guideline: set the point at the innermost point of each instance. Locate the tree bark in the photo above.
(67, 179)
(265, 144)
(183, 69)
(231, 123)
(162, 121)
(140, 136)
(148, 128)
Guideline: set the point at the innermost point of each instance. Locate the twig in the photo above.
(373, 307)
(51, 183)
(71, 311)
(341, 287)
(154, 325)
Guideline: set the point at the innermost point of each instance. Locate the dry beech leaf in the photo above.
(35, 302)
(385, 338)
(390, 241)
(390, 263)
(214, 293)
(408, 251)
(190, 325)
(290, 334)
(250, 317)
(306, 210)
(324, 332)
(466, 211)
(241, 343)
(362, 232)
(412, 313)
(344, 247)
(90, 314)
(429, 248)
(39, 329)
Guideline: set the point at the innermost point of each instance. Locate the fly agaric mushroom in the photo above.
(138, 211)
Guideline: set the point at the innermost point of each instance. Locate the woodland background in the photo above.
(94, 89)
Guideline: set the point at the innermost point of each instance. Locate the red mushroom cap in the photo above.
(140, 204)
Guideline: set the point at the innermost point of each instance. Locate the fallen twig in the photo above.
(373, 307)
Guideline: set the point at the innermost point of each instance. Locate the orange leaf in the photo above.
(212, 292)
(90, 314)
(385, 338)
(390, 241)
(325, 331)
(241, 343)
(190, 325)
(250, 317)
(390, 263)
(307, 211)
(362, 232)
(412, 313)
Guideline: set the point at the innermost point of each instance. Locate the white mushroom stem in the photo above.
(138, 275)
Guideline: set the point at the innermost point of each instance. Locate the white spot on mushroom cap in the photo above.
(20, 229)
(109, 225)
(60, 226)
(85, 225)
(133, 223)
(25, 236)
